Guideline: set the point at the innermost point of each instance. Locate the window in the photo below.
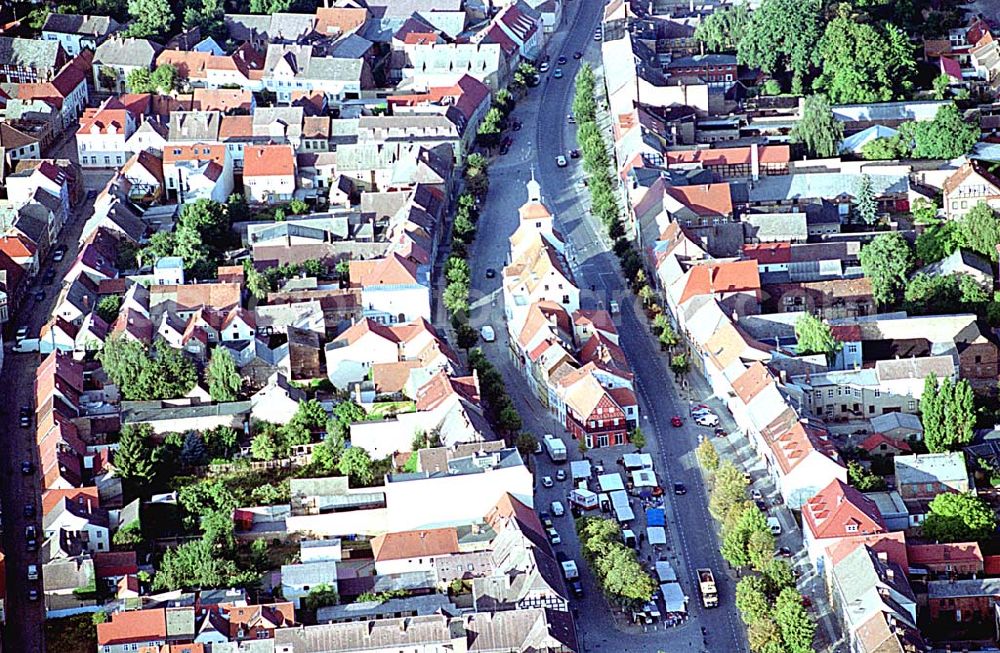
(912, 405)
(878, 393)
(829, 393)
(852, 349)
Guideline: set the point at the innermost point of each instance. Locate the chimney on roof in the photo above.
(883, 556)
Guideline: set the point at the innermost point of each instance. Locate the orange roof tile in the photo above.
(133, 626)
(52, 498)
(194, 152)
(749, 384)
(767, 154)
(17, 246)
(726, 277)
(891, 545)
(415, 544)
(839, 510)
(269, 161)
(391, 270)
(929, 554)
(708, 200)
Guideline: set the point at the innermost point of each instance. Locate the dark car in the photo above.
(784, 552)
(534, 81)
(40, 295)
(25, 411)
(490, 273)
(720, 433)
(516, 126)
(48, 277)
(679, 489)
(574, 154)
(29, 510)
(32, 594)
(25, 421)
(577, 55)
(27, 468)
(561, 60)
(504, 149)
(761, 506)
(576, 587)
(508, 141)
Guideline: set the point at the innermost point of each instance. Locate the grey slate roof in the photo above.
(410, 605)
(152, 411)
(309, 573)
(29, 53)
(190, 126)
(822, 185)
(78, 24)
(127, 52)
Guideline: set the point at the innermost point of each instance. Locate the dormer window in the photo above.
(852, 528)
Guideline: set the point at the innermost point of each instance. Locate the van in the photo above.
(774, 525)
(557, 509)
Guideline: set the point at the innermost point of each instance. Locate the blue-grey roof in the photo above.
(152, 411)
(855, 142)
(823, 185)
(704, 60)
(309, 573)
(886, 111)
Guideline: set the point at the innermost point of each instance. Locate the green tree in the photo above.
(778, 574)
(128, 535)
(151, 18)
(508, 419)
(637, 438)
(886, 261)
(463, 228)
(224, 379)
(257, 284)
(720, 31)
(771, 87)
(751, 599)
(193, 452)
(813, 336)
(736, 540)
(311, 415)
(107, 309)
(357, 464)
(729, 489)
(864, 202)
(947, 412)
(488, 134)
(679, 364)
(948, 136)
(959, 517)
(164, 79)
(979, 231)
(456, 270)
(924, 211)
(466, 336)
(883, 149)
(818, 131)
(526, 444)
(707, 456)
(139, 81)
(936, 242)
(133, 459)
(764, 636)
(862, 62)
(940, 85)
(863, 478)
(782, 35)
(264, 445)
(797, 627)
(926, 294)
(196, 565)
(456, 298)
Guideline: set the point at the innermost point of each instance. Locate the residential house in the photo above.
(837, 511)
(962, 262)
(921, 477)
(19, 144)
(719, 70)
(832, 299)
(269, 173)
(66, 92)
(967, 186)
(30, 60)
(894, 385)
(891, 189)
(875, 602)
(182, 417)
(947, 560)
(393, 289)
(117, 57)
(735, 285)
(199, 171)
(898, 426)
(416, 550)
(592, 414)
(297, 67)
(880, 444)
(425, 61)
(126, 631)
(277, 402)
(76, 32)
(959, 601)
(299, 580)
(800, 457)
(257, 622)
(539, 273)
(103, 132)
(783, 263)
(85, 523)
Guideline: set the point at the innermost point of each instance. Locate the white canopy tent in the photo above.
(579, 469)
(656, 535)
(637, 461)
(610, 482)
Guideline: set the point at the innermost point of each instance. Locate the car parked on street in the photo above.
(680, 489)
(561, 60)
(557, 73)
(561, 161)
(577, 55)
(543, 67)
(554, 536)
(708, 420)
(21, 334)
(59, 254)
(487, 333)
(560, 475)
(547, 481)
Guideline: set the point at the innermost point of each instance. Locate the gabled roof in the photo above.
(133, 626)
(749, 384)
(391, 270)
(954, 552)
(839, 510)
(415, 544)
(967, 170)
(269, 161)
(725, 277)
(706, 200)
(875, 440)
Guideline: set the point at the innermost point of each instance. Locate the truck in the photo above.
(570, 572)
(556, 448)
(583, 498)
(706, 585)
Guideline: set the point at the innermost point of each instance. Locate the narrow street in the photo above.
(691, 533)
(25, 619)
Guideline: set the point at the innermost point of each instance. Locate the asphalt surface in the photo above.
(691, 532)
(24, 630)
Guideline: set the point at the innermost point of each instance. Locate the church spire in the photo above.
(534, 189)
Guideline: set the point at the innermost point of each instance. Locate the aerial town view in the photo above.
(499, 326)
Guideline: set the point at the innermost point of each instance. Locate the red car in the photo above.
(676, 420)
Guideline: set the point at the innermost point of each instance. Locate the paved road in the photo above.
(24, 630)
(691, 531)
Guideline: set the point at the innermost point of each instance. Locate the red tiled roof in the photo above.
(767, 154)
(415, 544)
(726, 277)
(269, 161)
(17, 246)
(51, 498)
(707, 200)
(929, 554)
(891, 545)
(876, 439)
(768, 253)
(115, 563)
(194, 152)
(133, 626)
(391, 270)
(839, 510)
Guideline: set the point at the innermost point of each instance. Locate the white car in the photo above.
(756, 495)
(32, 572)
(597, 34)
(488, 334)
(554, 536)
(707, 420)
(22, 333)
(547, 481)
(557, 509)
(543, 67)
(561, 161)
